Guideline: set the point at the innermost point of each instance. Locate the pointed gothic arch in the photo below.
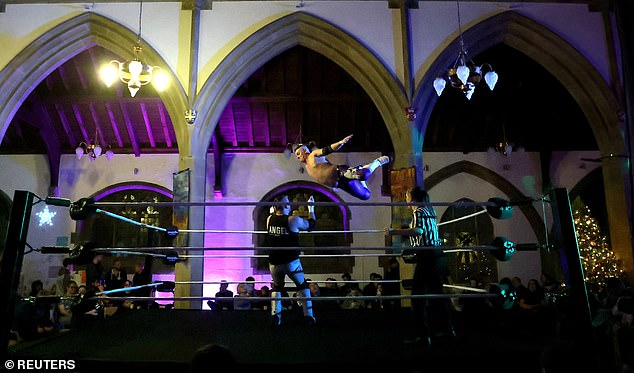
(328, 218)
(488, 176)
(581, 79)
(59, 44)
(321, 36)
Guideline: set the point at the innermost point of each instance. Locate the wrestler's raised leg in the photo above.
(356, 188)
(384, 159)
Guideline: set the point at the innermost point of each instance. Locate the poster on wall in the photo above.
(180, 218)
(402, 180)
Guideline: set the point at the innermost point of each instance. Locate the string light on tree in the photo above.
(598, 259)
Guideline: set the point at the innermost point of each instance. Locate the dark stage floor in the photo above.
(342, 340)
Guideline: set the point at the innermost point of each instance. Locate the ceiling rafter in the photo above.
(130, 127)
(65, 79)
(113, 124)
(166, 132)
(82, 126)
(65, 124)
(96, 121)
(80, 74)
(148, 126)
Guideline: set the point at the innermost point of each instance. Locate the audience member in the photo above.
(242, 291)
(65, 306)
(392, 273)
(222, 304)
(373, 289)
(533, 313)
(63, 278)
(116, 277)
(351, 302)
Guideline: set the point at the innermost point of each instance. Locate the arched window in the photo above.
(329, 218)
(478, 230)
(109, 232)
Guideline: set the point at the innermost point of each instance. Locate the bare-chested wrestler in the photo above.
(350, 179)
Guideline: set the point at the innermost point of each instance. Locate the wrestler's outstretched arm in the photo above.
(332, 147)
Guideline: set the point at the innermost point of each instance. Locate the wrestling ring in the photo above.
(341, 340)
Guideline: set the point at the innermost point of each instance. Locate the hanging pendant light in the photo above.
(464, 74)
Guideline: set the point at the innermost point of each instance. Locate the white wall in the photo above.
(248, 177)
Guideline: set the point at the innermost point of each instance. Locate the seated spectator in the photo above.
(533, 313)
(373, 289)
(351, 303)
(264, 292)
(116, 277)
(242, 292)
(345, 288)
(65, 306)
(222, 304)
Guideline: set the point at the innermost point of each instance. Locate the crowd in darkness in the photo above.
(69, 304)
(539, 306)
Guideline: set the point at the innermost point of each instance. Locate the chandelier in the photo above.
(464, 74)
(504, 147)
(93, 151)
(135, 73)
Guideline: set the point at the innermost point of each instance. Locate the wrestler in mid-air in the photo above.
(350, 179)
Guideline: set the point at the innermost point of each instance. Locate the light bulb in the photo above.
(491, 78)
(79, 151)
(160, 80)
(463, 73)
(97, 150)
(108, 74)
(135, 67)
(439, 85)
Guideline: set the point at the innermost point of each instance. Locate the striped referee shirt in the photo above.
(424, 217)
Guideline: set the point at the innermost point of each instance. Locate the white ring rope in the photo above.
(462, 217)
(300, 255)
(135, 250)
(128, 220)
(294, 203)
(317, 298)
(264, 232)
(459, 287)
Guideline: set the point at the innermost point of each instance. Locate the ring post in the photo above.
(12, 257)
(564, 230)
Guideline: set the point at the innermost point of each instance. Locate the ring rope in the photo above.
(462, 217)
(302, 248)
(106, 292)
(294, 203)
(459, 287)
(123, 218)
(264, 232)
(161, 229)
(301, 256)
(286, 282)
(318, 298)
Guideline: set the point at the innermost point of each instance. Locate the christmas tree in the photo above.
(599, 262)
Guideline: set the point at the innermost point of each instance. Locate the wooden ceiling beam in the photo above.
(148, 125)
(113, 124)
(130, 127)
(166, 132)
(65, 79)
(66, 124)
(80, 74)
(80, 122)
(97, 121)
(83, 99)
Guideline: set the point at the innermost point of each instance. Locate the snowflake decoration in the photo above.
(46, 216)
